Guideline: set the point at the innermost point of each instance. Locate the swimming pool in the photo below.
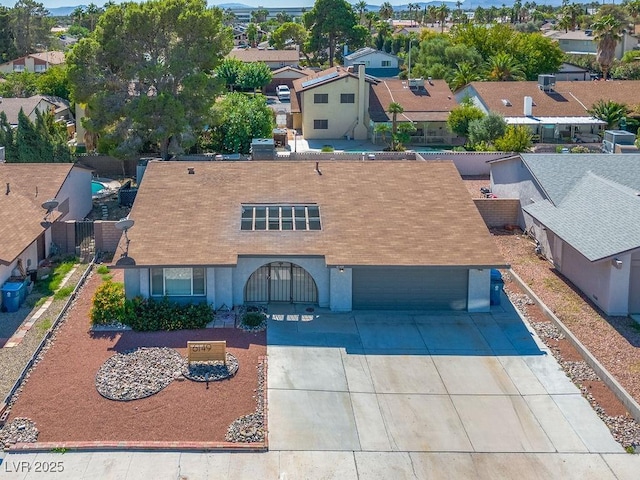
(96, 187)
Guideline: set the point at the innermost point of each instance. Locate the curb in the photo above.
(618, 390)
(137, 446)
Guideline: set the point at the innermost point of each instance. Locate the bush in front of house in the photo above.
(253, 319)
(109, 304)
(111, 307)
(151, 315)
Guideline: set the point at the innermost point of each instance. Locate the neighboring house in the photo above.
(582, 42)
(38, 103)
(569, 72)
(333, 103)
(584, 210)
(556, 111)
(426, 103)
(275, 59)
(25, 235)
(286, 76)
(35, 62)
(376, 62)
(240, 34)
(342, 235)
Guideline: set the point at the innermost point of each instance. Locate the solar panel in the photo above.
(313, 81)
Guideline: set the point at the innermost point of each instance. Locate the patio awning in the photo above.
(554, 121)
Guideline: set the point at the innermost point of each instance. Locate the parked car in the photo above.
(283, 92)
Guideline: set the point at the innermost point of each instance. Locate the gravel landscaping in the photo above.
(70, 409)
(212, 371)
(252, 428)
(20, 430)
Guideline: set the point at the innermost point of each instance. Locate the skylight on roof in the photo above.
(280, 217)
(506, 102)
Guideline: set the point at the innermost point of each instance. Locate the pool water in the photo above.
(96, 187)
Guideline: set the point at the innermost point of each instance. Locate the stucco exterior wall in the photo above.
(374, 60)
(341, 117)
(77, 188)
(498, 212)
(511, 179)
(341, 290)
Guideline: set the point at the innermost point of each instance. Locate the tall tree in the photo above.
(7, 45)
(229, 71)
(259, 15)
(503, 68)
(633, 8)
(607, 33)
(255, 75)
(386, 11)
(146, 73)
(442, 13)
(330, 23)
(394, 109)
(31, 26)
(361, 8)
(288, 31)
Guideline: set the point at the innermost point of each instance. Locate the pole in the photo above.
(409, 72)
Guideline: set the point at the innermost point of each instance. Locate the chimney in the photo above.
(528, 106)
(360, 131)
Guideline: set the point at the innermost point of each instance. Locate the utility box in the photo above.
(618, 141)
(497, 285)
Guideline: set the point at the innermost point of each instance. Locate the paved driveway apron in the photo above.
(422, 382)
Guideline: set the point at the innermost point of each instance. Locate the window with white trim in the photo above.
(386, 63)
(177, 282)
(280, 217)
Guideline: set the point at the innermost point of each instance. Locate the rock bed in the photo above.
(212, 371)
(251, 428)
(139, 373)
(20, 430)
(252, 308)
(625, 430)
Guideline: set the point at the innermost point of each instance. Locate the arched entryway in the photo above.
(281, 282)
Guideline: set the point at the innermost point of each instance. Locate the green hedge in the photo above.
(110, 306)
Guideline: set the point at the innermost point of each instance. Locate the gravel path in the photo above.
(13, 360)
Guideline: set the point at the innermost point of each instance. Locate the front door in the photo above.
(281, 282)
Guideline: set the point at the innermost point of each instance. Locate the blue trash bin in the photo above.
(496, 287)
(11, 296)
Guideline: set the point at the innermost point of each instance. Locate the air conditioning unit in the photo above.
(546, 83)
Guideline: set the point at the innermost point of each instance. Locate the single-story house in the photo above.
(584, 210)
(582, 42)
(37, 103)
(426, 104)
(273, 58)
(286, 76)
(376, 62)
(342, 235)
(25, 225)
(333, 103)
(556, 110)
(34, 62)
(570, 72)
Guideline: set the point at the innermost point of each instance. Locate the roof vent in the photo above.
(506, 102)
(317, 169)
(8, 189)
(191, 171)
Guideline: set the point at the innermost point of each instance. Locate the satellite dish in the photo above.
(49, 205)
(45, 224)
(124, 224)
(125, 261)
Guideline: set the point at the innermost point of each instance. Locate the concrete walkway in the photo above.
(377, 395)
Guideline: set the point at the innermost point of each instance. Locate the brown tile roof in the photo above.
(372, 213)
(30, 185)
(259, 55)
(433, 103)
(568, 99)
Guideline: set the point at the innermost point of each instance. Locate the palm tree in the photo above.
(464, 74)
(386, 11)
(633, 8)
(441, 14)
(503, 68)
(608, 111)
(394, 109)
(607, 32)
(77, 15)
(411, 7)
(432, 14)
(361, 8)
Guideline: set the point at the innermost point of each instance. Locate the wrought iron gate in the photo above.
(85, 240)
(281, 282)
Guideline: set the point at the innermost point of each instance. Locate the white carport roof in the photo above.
(553, 121)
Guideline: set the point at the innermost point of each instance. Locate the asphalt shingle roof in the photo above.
(558, 173)
(30, 185)
(372, 213)
(597, 217)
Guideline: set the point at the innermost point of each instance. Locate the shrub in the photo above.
(109, 305)
(326, 149)
(64, 292)
(253, 319)
(103, 269)
(580, 149)
(152, 315)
